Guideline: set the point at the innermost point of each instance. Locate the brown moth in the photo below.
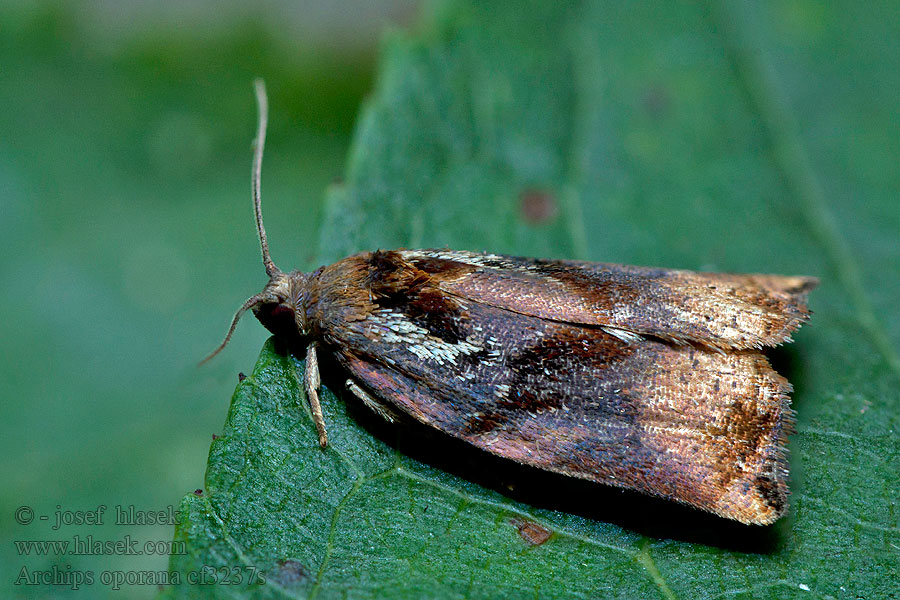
(644, 378)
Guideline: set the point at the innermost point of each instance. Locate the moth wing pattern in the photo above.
(719, 310)
(690, 422)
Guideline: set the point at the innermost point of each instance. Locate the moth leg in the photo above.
(374, 405)
(311, 382)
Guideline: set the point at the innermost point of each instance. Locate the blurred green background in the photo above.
(128, 242)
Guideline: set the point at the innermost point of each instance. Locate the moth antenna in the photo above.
(259, 143)
(249, 303)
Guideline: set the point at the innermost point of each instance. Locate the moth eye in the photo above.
(278, 318)
(281, 310)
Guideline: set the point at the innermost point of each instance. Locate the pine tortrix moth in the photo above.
(644, 378)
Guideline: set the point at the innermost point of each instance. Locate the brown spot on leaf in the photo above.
(198, 492)
(289, 572)
(537, 206)
(533, 533)
(656, 100)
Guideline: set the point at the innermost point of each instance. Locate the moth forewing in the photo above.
(722, 310)
(692, 423)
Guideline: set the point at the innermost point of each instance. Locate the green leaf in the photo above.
(725, 137)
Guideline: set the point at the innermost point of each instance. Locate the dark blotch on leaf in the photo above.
(656, 101)
(241, 377)
(537, 206)
(533, 533)
(289, 572)
(198, 492)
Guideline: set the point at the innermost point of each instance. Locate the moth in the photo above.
(645, 378)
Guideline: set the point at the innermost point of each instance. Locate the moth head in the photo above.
(279, 306)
